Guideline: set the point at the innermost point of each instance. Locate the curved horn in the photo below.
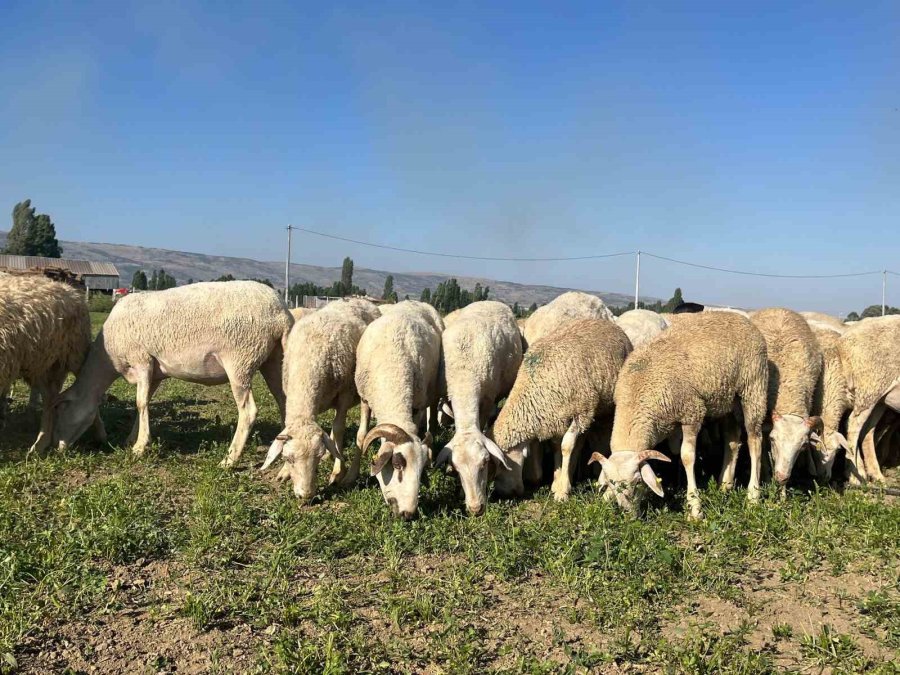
(389, 432)
(275, 450)
(644, 455)
(444, 455)
(447, 410)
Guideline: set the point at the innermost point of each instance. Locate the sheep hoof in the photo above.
(727, 487)
(226, 463)
(560, 495)
(139, 450)
(696, 515)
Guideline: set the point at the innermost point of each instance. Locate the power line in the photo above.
(763, 274)
(589, 257)
(460, 256)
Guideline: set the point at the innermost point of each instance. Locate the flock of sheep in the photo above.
(805, 387)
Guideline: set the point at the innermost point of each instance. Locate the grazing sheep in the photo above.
(566, 380)
(795, 365)
(397, 377)
(482, 353)
(641, 326)
(727, 309)
(870, 354)
(700, 369)
(318, 374)
(567, 307)
(824, 319)
(831, 402)
(45, 333)
(207, 333)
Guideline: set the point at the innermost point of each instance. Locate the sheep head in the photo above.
(625, 474)
(476, 458)
(789, 436)
(398, 466)
(302, 449)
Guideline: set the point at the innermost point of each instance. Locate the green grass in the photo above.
(340, 587)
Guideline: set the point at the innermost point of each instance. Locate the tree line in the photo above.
(32, 233)
(871, 311)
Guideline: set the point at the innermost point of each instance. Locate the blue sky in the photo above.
(762, 136)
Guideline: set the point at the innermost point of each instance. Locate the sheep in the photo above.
(795, 364)
(45, 333)
(727, 309)
(397, 377)
(482, 352)
(870, 355)
(641, 325)
(318, 374)
(301, 312)
(824, 319)
(207, 333)
(831, 401)
(698, 369)
(566, 380)
(567, 307)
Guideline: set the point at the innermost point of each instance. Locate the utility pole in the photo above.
(637, 281)
(883, 292)
(287, 265)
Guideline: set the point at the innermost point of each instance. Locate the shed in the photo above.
(95, 276)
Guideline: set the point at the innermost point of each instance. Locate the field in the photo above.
(170, 564)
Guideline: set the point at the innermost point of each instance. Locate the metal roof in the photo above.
(78, 267)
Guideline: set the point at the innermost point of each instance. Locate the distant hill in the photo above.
(202, 267)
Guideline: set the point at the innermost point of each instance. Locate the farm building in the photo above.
(95, 276)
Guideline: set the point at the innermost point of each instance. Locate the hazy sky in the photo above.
(761, 136)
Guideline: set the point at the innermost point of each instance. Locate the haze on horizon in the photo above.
(762, 138)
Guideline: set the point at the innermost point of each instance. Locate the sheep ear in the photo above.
(814, 437)
(597, 457)
(444, 455)
(275, 450)
(383, 457)
(650, 479)
(332, 447)
(498, 454)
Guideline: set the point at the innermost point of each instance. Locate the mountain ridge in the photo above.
(184, 265)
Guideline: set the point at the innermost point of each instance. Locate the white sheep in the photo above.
(870, 355)
(566, 380)
(319, 370)
(397, 377)
(45, 333)
(208, 333)
(701, 368)
(482, 353)
(641, 326)
(824, 319)
(567, 307)
(795, 366)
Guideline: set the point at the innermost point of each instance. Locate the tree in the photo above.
(875, 310)
(32, 234)
(676, 299)
(852, 316)
(515, 309)
(347, 276)
(532, 308)
(152, 286)
(139, 281)
(426, 295)
(44, 241)
(388, 293)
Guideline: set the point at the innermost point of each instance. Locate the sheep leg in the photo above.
(49, 389)
(855, 464)
(688, 456)
(145, 391)
(754, 443)
(351, 474)
(271, 370)
(562, 476)
(36, 397)
(243, 396)
(732, 434)
(337, 435)
(136, 427)
(870, 457)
